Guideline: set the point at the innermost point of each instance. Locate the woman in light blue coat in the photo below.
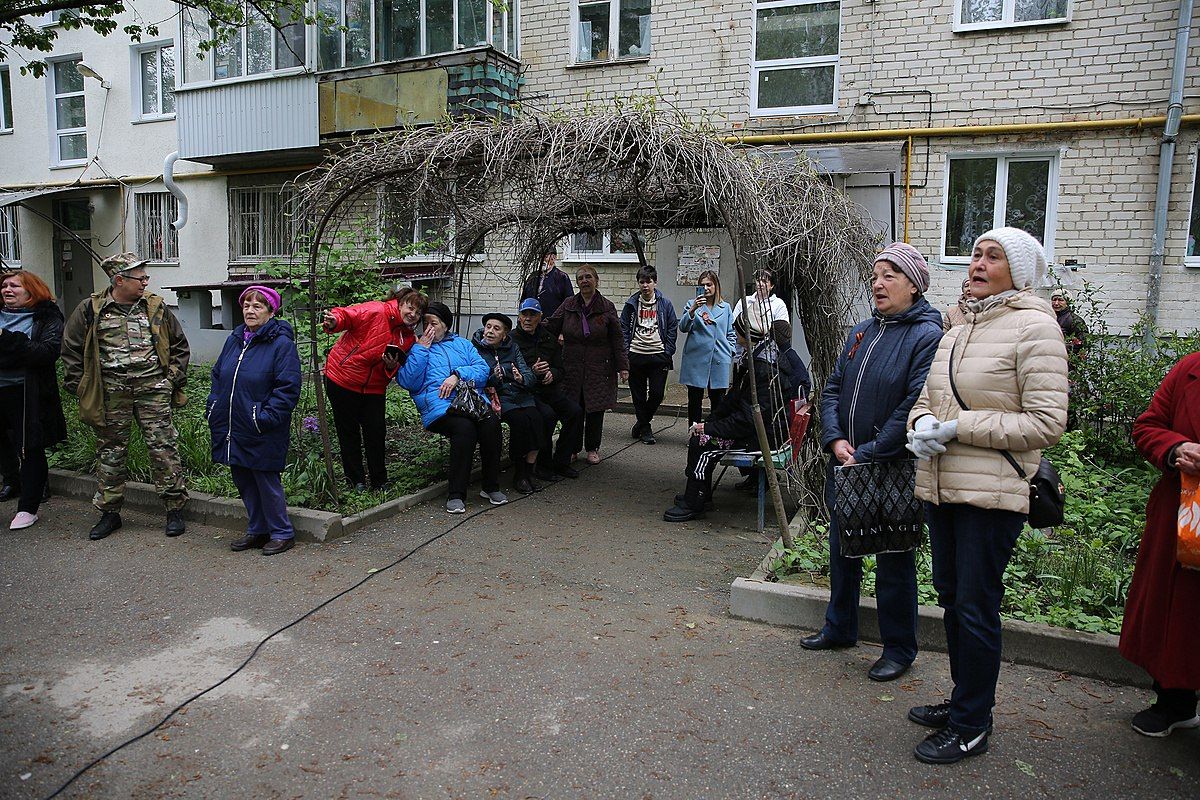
(708, 352)
(436, 365)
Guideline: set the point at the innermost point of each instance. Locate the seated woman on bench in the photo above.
(730, 427)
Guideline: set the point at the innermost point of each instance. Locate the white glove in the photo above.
(924, 449)
(940, 431)
(926, 422)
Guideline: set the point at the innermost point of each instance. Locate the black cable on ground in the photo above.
(103, 757)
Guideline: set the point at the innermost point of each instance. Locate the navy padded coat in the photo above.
(255, 388)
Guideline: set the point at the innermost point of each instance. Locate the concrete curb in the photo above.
(1091, 655)
(229, 513)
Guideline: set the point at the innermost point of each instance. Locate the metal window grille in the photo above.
(261, 225)
(156, 239)
(10, 242)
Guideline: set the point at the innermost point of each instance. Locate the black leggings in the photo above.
(30, 472)
(359, 421)
(463, 433)
(696, 402)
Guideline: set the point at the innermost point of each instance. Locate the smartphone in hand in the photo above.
(392, 351)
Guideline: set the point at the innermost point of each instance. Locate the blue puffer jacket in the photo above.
(428, 367)
(506, 354)
(876, 381)
(668, 323)
(255, 388)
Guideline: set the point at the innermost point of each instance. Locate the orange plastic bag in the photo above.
(1187, 549)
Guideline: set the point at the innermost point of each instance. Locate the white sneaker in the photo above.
(23, 519)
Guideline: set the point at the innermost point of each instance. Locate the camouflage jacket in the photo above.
(81, 353)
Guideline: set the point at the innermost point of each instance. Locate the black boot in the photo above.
(9, 491)
(109, 522)
(175, 526)
(520, 479)
(692, 506)
(529, 476)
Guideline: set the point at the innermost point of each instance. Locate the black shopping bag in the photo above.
(876, 508)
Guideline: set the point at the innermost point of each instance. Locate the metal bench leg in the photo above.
(762, 498)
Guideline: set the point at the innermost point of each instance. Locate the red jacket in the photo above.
(356, 361)
(1159, 633)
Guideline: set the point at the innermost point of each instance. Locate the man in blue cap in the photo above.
(543, 353)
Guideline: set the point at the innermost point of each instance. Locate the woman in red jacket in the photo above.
(1159, 632)
(357, 373)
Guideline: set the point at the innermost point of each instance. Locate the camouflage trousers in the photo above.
(147, 400)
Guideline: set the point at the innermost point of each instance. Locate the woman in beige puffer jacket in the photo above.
(1010, 369)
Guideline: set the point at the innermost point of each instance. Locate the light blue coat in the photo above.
(708, 352)
(427, 367)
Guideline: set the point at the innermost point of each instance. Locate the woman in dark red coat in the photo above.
(593, 354)
(1160, 633)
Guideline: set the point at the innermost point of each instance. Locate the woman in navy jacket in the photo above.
(864, 418)
(255, 388)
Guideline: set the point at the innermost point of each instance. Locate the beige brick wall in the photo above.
(1111, 61)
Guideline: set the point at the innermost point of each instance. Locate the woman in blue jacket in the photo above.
(708, 352)
(864, 418)
(255, 388)
(436, 365)
(512, 379)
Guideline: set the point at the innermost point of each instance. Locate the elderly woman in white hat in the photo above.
(998, 385)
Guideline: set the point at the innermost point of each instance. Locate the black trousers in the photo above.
(696, 402)
(463, 433)
(647, 384)
(359, 421)
(593, 428)
(703, 455)
(31, 472)
(556, 407)
(525, 431)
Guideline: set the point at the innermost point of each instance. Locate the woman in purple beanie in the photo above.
(255, 388)
(864, 414)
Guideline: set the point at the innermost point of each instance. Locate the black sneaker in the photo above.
(937, 716)
(948, 746)
(648, 437)
(1158, 722)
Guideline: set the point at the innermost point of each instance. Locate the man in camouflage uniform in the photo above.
(125, 358)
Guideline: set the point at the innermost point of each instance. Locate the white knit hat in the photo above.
(1026, 257)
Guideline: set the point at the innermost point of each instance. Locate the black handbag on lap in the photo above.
(1047, 495)
(467, 402)
(876, 508)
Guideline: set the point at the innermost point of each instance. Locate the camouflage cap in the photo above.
(121, 262)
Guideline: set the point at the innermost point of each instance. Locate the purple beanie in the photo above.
(909, 261)
(271, 296)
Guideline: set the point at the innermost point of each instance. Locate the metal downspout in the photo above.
(173, 188)
(1166, 159)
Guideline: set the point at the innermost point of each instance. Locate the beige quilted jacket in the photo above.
(1010, 366)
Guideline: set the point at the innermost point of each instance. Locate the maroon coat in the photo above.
(591, 362)
(1160, 633)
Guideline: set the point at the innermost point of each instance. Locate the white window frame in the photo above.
(6, 124)
(757, 67)
(1007, 19)
(282, 229)
(55, 132)
(604, 254)
(185, 81)
(162, 207)
(1192, 261)
(1003, 159)
(135, 63)
(513, 18)
(10, 236)
(614, 13)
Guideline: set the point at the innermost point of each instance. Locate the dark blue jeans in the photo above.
(895, 594)
(971, 548)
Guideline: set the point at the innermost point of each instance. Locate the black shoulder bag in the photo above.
(1047, 496)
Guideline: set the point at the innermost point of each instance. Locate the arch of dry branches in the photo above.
(541, 177)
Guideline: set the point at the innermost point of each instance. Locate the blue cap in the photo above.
(531, 304)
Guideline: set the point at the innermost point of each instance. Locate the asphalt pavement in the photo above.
(570, 645)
